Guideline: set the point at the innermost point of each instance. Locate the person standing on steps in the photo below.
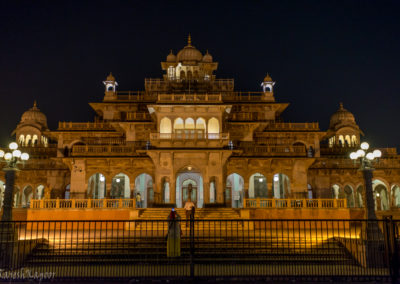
(174, 234)
(138, 201)
(189, 208)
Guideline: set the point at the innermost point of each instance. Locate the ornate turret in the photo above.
(29, 130)
(268, 84)
(343, 130)
(110, 87)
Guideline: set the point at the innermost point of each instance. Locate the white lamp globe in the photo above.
(364, 145)
(260, 179)
(13, 146)
(360, 153)
(1, 153)
(370, 156)
(8, 156)
(276, 178)
(24, 156)
(118, 180)
(353, 155)
(377, 153)
(16, 153)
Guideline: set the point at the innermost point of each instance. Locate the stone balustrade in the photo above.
(260, 150)
(264, 203)
(97, 126)
(189, 136)
(102, 150)
(82, 203)
(190, 98)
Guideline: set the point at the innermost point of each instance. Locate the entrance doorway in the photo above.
(189, 184)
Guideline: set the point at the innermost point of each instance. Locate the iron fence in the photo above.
(205, 249)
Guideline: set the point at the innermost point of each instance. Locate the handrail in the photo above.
(266, 203)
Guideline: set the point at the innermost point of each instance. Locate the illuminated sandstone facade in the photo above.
(189, 127)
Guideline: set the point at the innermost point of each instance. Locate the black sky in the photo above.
(319, 52)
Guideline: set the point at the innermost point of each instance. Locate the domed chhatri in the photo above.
(207, 58)
(268, 78)
(171, 57)
(110, 77)
(35, 116)
(189, 53)
(342, 116)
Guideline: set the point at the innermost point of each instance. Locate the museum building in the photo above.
(191, 135)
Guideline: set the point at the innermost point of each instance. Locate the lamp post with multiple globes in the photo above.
(12, 159)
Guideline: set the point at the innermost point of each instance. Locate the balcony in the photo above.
(189, 140)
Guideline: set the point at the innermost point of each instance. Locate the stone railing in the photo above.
(190, 98)
(288, 150)
(138, 116)
(295, 203)
(99, 150)
(136, 96)
(104, 140)
(82, 203)
(97, 126)
(189, 136)
(292, 126)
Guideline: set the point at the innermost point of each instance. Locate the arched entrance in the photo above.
(96, 186)
(380, 195)
(359, 197)
(281, 186)
(335, 191)
(2, 189)
(120, 186)
(144, 187)
(396, 196)
(234, 188)
(258, 186)
(348, 190)
(39, 194)
(189, 184)
(27, 196)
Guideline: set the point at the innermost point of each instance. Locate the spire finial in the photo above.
(34, 103)
(340, 105)
(189, 40)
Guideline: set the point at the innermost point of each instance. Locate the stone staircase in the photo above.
(206, 219)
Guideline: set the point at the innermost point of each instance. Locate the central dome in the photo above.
(189, 53)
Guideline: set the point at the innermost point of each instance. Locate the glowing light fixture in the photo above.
(370, 156)
(189, 168)
(102, 178)
(364, 145)
(360, 153)
(276, 178)
(1, 153)
(24, 156)
(8, 156)
(118, 180)
(353, 156)
(377, 153)
(16, 153)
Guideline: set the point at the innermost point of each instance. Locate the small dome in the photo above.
(110, 77)
(35, 116)
(171, 57)
(267, 78)
(207, 57)
(342, 116)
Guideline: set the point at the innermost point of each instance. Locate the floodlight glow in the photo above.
(364, 145)
(276, 178)
(260, 179)
(118, 180)
(102, 178)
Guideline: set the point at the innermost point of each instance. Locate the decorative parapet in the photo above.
(73, 126)
(106, 150)
(259, 150)
(295, 203)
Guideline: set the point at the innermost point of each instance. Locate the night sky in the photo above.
(320, 53)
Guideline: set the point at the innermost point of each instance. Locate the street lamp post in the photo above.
(7, 229)
(372, 235)
(12, 159)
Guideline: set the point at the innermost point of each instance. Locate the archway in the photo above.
(96, 186)
(396, 196)
(16, 197)
(165, 126)
(309, 191)
(281, 186)
(234, 185)
(348, 190)
(120, 187)
(258, 186)
(359, 196)
(380, 195)
(189, 182)
(67, 194)
(166, 190)
(39, 192)
(27, 196)
(213, 189)
(213, 127)
(144, 187)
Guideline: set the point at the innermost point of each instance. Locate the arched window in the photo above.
(213, 126)
(258, 186)
(35, 140)
(120, 187)
(21, 140)
(348, 190)
(189, 123)
(165, 125)
(359, 197)
(353, 140)
(348, 140)
(380, 195)
(39, 194)
(234, 188)
(341, 141)
(335, 191)
(144, 187)
(97, 186)
(171, 72)
(28, 140)
(2, 188)
(201, 123)
(178, 124)
(27, 196)
(396, 196)
(281, 186)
